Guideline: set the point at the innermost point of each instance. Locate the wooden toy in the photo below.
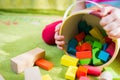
(46, 77)
(79, 37)
(71, 73)
(67, 60)
(97, 44)
(86, 47)
(72, 51)
(85, 61)
(82, 71)
(84, 78)
(92, 70)
(32, 73)
(95, 60)
(105, 45)
(27, 59)
(106, 75)
(111, 48)
(104, 56)
(44, 64)
(96, 33)
(90, 38)
(84, 54)
(1, 77)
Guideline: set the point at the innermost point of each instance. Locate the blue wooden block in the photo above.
(72, 43)
(71, 50)
(81, 26)
(104, 56)
(105, 45)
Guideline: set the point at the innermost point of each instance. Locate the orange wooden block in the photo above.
(44, 64)
(80, 36)
(82, 71)
(84, 54)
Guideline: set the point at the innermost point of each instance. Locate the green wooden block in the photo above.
(97, 44)
(90, 38)
(95, 60)
(85, 61)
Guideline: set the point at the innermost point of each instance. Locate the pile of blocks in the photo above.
(90, 46)
(87, 50)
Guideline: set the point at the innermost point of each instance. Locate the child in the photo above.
(110, 22)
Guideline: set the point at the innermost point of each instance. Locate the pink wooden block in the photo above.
(93, 70)
(111, 48)
(84, 78)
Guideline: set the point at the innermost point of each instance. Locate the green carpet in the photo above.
(21, 33)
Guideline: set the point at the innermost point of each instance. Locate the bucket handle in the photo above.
(72, 5)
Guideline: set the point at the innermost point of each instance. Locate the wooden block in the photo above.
(92, 70)
(105, 45)
(96, 61)
(1, 77)
(79, 37)
(104, 56)
(67, 60)
(97, 44)
(44, 64)
(86, 46)
(84, 54)
(27, 59)
(85, 61)
(71, 73)
(106, 75)
(32, 73)
(72, 43)
(90, 38)
(84, 78)
(96, 33)
(46, 77)
(71, 51)
(111, 48)
(82, 71)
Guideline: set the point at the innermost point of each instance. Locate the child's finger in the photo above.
(58, 27)
(106, 10)
(111, 26)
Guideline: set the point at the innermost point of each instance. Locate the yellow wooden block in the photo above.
(67, 60)
(71, 73)
(46, 77)
(97, 34)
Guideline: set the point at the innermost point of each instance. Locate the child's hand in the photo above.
(111, 21)
(59, 40)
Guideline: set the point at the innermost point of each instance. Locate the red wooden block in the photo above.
(84, 54)
(80, 36)
(84, 78)
(78, 48)
(92, 70)
(108, 40)
(86, 46)
(111, 48)
(44, 64)
(82, 71)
